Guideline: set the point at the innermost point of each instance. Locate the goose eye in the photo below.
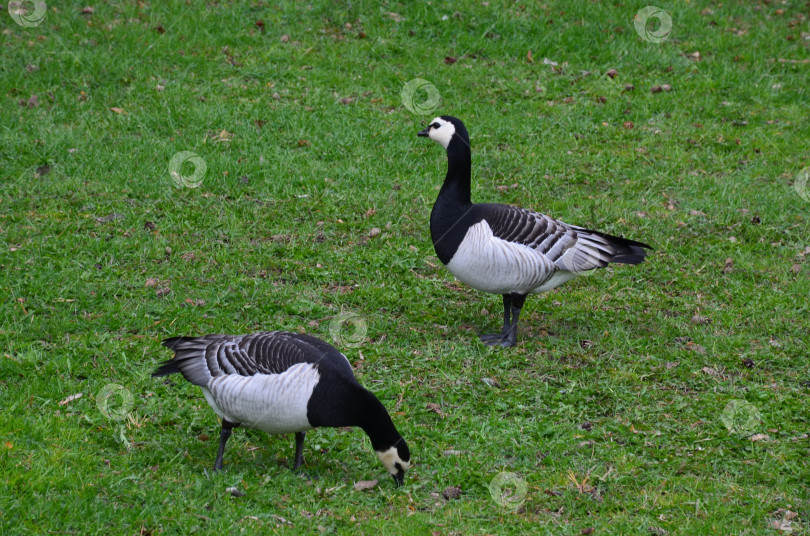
(435, 125)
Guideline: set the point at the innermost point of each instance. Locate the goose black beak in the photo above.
(424, 133)
(399, 478)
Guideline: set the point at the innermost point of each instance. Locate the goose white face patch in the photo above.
(443, 134)
(392, 462)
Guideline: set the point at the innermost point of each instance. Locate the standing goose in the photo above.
(283, 383)
(508, 250)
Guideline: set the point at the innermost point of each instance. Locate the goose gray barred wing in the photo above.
(571, 248)
(201, 358)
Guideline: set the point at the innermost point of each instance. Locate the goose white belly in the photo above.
(274, 403)
(490, 264)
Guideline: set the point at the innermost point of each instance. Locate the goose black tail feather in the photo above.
(174, 343)
(173, 365)
(166, 368)
(627, 251)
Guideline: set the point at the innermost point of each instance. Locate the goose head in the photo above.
(445, 129)
(397, 460)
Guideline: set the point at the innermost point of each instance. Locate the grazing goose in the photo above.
(508, 250)
(282, 383)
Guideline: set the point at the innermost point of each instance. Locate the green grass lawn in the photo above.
(615, 413)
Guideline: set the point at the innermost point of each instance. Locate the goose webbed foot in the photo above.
(486, 338)
(500, 339)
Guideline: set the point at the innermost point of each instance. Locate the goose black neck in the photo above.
(456, 187)
(373, 418)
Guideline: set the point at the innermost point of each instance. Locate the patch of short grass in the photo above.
(610, 409)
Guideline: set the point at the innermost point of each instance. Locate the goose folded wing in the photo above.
(199, 359)
(570, 248)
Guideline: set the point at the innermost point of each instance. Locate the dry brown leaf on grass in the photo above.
(109, 218)
(783, 60)
(117, 110)
(71, 398)
(223, 137)
(32, 102)
(696, 348)
(700, 320)
(711, 372)
(364, 485)
(435, 408)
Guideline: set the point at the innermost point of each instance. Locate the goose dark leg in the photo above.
(512, 307)
(511, 336)
(507, 307)
(299, 449)
(224, 434)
